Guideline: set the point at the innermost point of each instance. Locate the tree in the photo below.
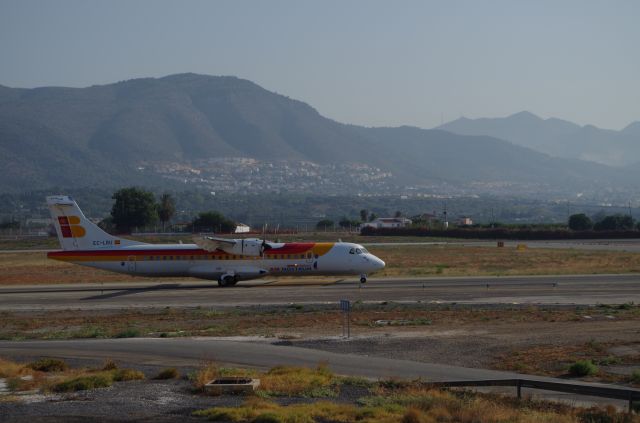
(324, 224)
(212, 221)
(580, 222)
(372, 217)
(363, 215)
(398, 213)
(616, 222)
(166, 208)
(345, 222)
(133, 208)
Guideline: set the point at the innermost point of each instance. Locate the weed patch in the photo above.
(128, 333)
(48, 365)
(583, 368)
(299, 381)
(83, 383)
(123, 375)
(170, 373)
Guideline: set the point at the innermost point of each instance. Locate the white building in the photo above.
(465, 221)
(388, 222)
(241, 228)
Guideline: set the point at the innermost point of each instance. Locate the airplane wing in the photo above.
(245, 247)
(211, 243)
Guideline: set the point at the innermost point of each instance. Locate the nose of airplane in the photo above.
(379, 264)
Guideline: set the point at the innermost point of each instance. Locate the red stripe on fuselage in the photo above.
(291, 248)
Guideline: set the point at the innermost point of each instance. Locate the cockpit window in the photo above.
(352, 251)
(364, 250)
(358, 251)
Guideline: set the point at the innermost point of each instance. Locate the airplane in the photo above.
(213, 258)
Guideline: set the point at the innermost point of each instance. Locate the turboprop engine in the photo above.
(244, 247)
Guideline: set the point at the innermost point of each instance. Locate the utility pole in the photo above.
(446, 222)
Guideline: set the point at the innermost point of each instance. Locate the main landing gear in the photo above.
(363, 278)
(227, 280)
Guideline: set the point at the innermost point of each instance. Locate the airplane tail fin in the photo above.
(75, 231)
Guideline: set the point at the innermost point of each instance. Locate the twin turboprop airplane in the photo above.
(226, 260)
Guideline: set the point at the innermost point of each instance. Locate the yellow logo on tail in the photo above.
(70, 228)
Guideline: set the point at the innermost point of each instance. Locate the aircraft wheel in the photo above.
(227, 281)
(363, 279)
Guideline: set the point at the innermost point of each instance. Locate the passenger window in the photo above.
(352, 251)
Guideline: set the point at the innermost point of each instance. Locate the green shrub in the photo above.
(635, 376)
(128, 333)
(90, 332)
(48, 365)
(123, 375)
(583, 368)
(83, 383)
(14, 383)
(170, 373)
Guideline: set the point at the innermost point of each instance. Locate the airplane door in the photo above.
(131, 263)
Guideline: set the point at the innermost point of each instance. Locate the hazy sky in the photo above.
(365, 62)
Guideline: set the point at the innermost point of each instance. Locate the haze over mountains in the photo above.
(558, 137)
(103, 135)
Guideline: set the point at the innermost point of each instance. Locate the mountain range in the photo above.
(99, 136)
(558, 137)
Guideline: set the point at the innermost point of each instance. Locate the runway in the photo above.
(580, 289)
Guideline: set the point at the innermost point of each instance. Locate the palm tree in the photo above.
(166, 209)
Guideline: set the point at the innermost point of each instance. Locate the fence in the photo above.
(629, 395)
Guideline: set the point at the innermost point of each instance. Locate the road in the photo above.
(193, 351)
(581, 289)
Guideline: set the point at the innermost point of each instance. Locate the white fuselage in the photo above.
(190, 260)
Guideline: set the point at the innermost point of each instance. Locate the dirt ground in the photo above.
(527, 339)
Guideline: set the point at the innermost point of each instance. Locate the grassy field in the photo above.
(456, 260)
(402, 260)
(281, 320)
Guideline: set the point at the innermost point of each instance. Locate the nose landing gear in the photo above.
(363, 278)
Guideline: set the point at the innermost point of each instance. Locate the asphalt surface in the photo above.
(192, 351)
(581, 289)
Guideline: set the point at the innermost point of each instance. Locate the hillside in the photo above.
(557, 137)
(104, 135)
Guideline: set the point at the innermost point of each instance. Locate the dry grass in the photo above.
(416, 260)
(556, 360)
(59, 377)
(298, 381)
(413, 403)
(207, 371)
(279, 381)
(168, 322)
(450, 260)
